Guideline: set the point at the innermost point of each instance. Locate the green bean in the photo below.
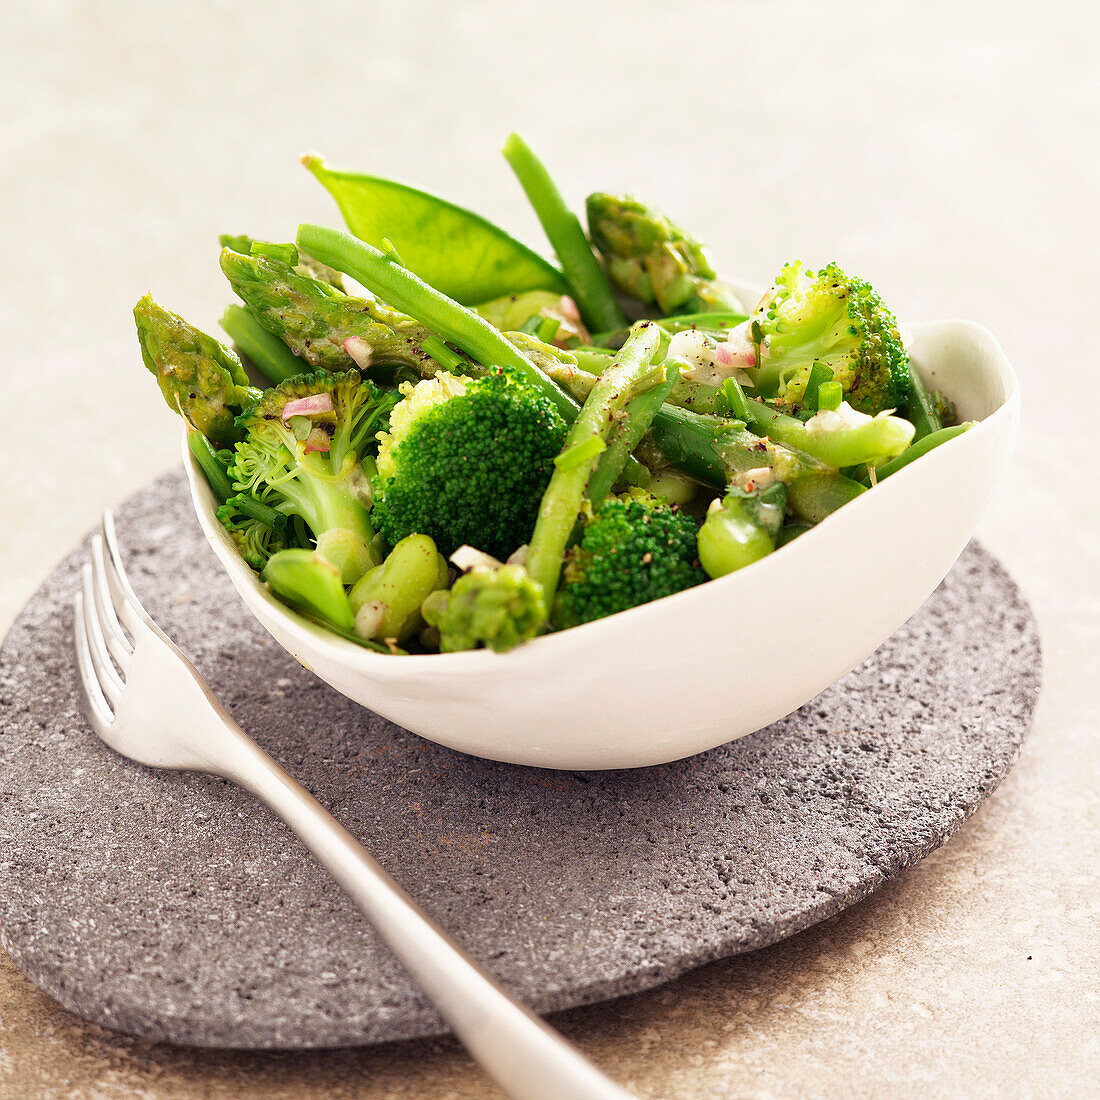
(921, 447)
(586, 278)
(921, 411)
(265, 351)
(817, 494)
(211, 465)
(260, 512)
(627, 434)
(562, 500)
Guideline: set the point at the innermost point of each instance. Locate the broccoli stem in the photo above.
(586, 278)
(921, 447)
(211, 465)
(265, 351)
(337, 517)
(626, 434)
(403, 290)
(562, 500)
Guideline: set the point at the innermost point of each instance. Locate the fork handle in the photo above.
(526, 1057)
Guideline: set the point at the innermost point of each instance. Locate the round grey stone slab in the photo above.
(174, 906)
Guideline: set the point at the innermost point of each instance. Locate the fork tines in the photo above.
(103, 606)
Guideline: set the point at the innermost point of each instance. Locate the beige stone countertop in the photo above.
(946, 151)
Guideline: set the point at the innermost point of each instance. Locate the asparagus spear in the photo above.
(653, 259)
(200, 378)
(303, 264)
(321, 325)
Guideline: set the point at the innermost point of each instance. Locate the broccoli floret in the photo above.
(495, 608)
(831, 318)
(466, 461)
(633, 550)
(255, 540)
(301, 455)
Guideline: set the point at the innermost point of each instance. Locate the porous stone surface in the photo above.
(174, 906)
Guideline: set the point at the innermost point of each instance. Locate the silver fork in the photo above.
(149, 703)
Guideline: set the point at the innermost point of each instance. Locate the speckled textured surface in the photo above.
(174, 906)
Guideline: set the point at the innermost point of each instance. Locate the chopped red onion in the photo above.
(309, 406)
(317, 440)
(360, 351)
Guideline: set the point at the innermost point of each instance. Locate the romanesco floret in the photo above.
(495, 608)
(465, 461)
(633, 550)
(831, 318)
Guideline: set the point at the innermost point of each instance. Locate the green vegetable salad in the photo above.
(463, 445)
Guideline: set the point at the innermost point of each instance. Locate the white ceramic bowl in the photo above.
(706, 666)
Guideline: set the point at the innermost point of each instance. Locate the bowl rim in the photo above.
(360, 659)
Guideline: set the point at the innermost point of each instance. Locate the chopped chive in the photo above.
(449, 360)
(580, 453)
(829, 396)
(391, 252)
(258, 511)
(819, 374)
(531, 325)
(738, 402)
(548, 329)
(287, 253)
